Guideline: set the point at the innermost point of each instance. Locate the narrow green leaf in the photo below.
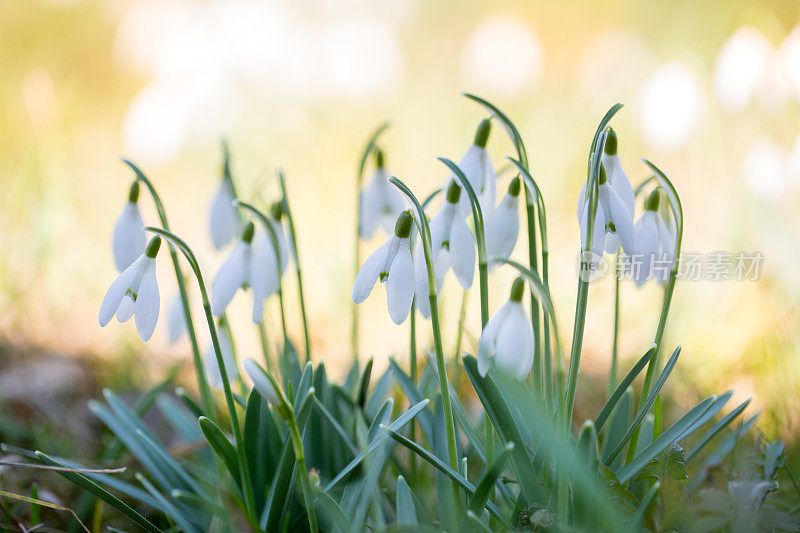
(92, 487)
(712, 411)
(221, 446)
(664, 440)
(715, 430)
(363, 387)
(620, 420)
(399, 422)
(608, 407)
(333, 512)
(487, 483)
(406, 511)
(637, 519)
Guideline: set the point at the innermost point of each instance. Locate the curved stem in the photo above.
(480, 237)
(357, 243)
(412, 355)
(293, 237)
(447, 407)
(229, 401)
(612, 375)
(202, 381)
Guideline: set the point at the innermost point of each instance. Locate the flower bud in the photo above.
(483, 132)
(152, 248)
(517, 290)
(651, 204)
(133, 194)
(611, 142)
(247, 233)
(402, 227)
(453, 192)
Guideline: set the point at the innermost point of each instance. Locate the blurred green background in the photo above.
(711, 92)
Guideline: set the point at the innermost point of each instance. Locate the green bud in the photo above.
(453, 192)
(379, 158)
(611, 142)
(514, 187)
(651, 204)
(517, 290)
(313, 477)
(602, 178)
(276, 210)
(482, 133)
(247, 233)
(152, 247)
(133, 194)
(403, 226)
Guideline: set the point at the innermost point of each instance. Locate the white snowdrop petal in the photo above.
(514, 346)
(488, 194)
(261, 382)
(371, 270)
(400, 284)
(647, 247)
(283, 245)
(368, 217)
(502, 228)
(421, 282)
(616, 213)
(224, 221)
(176, 319)
(619, 181)
(581, 201)
(462, 253)
(129, 239)
(116, 292)
(611, 243)
(212, 369)
(148, 304)
(126, 308)
(598, 231)
(488, 340)
(230, 278)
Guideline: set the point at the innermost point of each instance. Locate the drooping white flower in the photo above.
(129, 239)
(243, 268)
(228, 357)
(502, 227)
(276, 215)
(393, 264)
(381, 202)
(225, 223)
(452, 247)
(135, 293)
(262, 383)
(619, 182)
(655, 245)
(508, 337)
(612, 219)
(176, 319)
(478, 169)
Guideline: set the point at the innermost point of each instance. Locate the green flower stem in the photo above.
(225, 323)
(357, 241)
(612, 375)
(273, 237)
(202, 381)
(480, 238)
(305, 482)
(546, 380)
(462, 316)
(293, 237)
(677, 213)
(583, 285)
(412, 355)
(447, 407)
(229, 401)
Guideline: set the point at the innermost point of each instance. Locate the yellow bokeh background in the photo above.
(711, 93)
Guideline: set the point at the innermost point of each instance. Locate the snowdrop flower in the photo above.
(391, 263)
(135, 292)
(176, 319)
(276, 215)
(267, 387)
(478, 168)
(452, 246)
(612, 218)
(225, 223)
(654, 242)
(228, 357)
(619, 182)
(243, 268)
(508, 337)
(502, 228)
(381, 202)
(129, 239)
